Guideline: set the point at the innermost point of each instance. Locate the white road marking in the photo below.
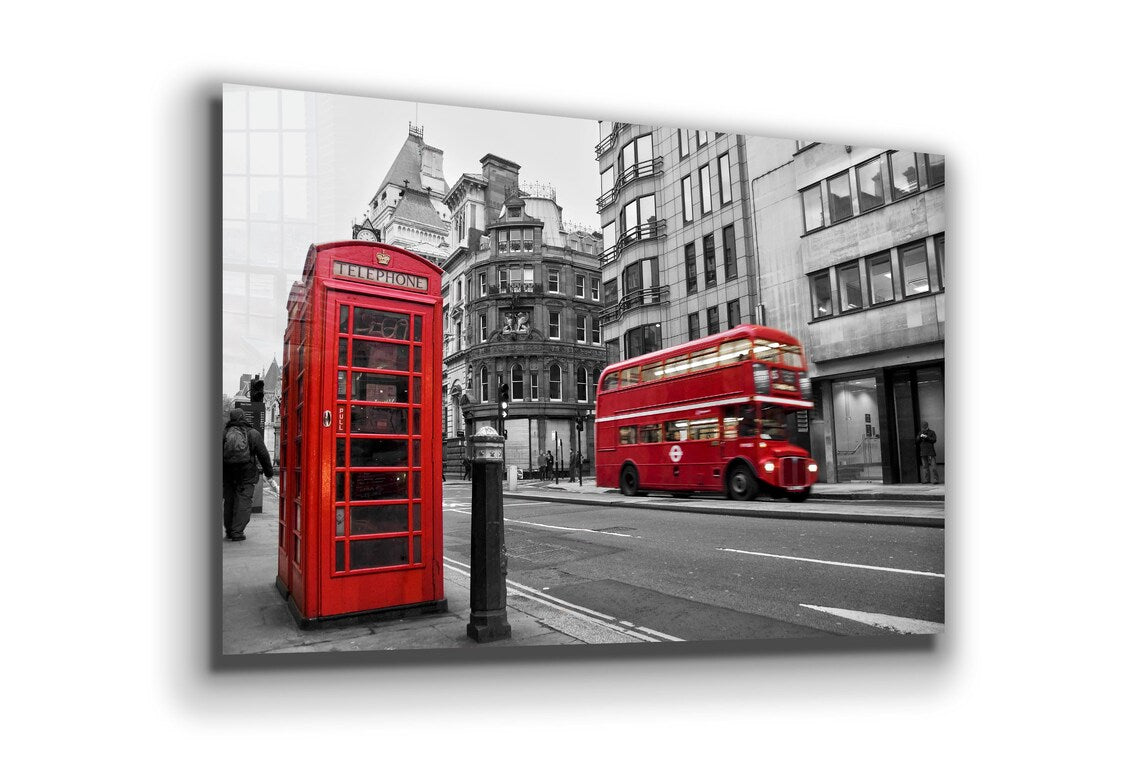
(552, 527)
(832, 562)
(609, 621)
(879, 620)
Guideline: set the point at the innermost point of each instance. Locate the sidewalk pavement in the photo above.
(256, 618)
(889, 504)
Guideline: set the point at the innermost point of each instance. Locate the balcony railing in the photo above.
(648, 231)
(646, 168)
(635, 300)
(608, 141)
(514, 287)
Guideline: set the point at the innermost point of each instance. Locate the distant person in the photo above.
(549, 465)
(466, 467)
(242, 452)
(926, 440)
(575, 464)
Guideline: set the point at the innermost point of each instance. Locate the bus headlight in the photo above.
(813, 467)
(769, 466)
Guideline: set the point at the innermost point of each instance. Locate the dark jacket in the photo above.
(256, 446)
(926, 441)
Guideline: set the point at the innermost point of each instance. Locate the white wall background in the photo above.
(108, 218)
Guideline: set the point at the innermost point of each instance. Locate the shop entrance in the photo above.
(918, 395)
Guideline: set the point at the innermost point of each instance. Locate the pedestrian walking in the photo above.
(466, 467)
(575, 464)
(243, 451)
(549, 465)
(926, 440)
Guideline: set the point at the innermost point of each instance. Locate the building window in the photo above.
(839, 197)
(534, 386)
(516, 383)
(611, 293)
(733, 313)
(813, 208)
(915, 275)
(583, 379)
(482, 284)
(595, 288)
(713, 316)
(553, 328)
(634, 154)
(850, 290)
(483, 383)
(613, 351)
(642, 340)
(609, 238)
(687, 198)
(596, 331)
(482, 328)
(580, 285)
(641, 279)
(879, 278)
(694, 325)
(580, 327)
(939, 258)
(555, 382)
(706, 190)
(459, 291)
(728, 237)
(607, 181)
(821, 295)
(725, 178)
(904, 175)
(528, 274)
(710, 260)
(691, 268)
(702, 138)
(636, 213)
(552, 281)
(503, 275)
(682, 143)
(935, 169)
(869, 178)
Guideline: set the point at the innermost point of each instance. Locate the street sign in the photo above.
(675, 453)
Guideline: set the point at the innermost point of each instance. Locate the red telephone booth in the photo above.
(361, 506)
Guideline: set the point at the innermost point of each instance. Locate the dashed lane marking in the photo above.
(833, 562)
(552, 527)
(879, 620)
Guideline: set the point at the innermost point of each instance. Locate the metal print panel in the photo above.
(523, 380)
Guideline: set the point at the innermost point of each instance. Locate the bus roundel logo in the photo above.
(675, 453)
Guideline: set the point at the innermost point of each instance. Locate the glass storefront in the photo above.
(858, 452)
(918, 396)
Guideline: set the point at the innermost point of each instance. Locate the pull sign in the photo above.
(328, 418)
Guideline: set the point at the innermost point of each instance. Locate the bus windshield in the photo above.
(773, 422)
(774, 352)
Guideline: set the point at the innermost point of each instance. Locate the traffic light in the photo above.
(504, 399)
(578, 422)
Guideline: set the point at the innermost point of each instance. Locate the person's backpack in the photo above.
(235, 445)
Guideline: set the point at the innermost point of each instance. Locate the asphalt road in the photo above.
(716, 577)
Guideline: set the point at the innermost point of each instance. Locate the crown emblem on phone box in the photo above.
(383, 259)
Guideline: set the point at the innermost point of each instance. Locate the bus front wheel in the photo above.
(629, 480)
(742, 485)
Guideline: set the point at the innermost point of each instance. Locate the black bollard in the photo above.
(488, 550)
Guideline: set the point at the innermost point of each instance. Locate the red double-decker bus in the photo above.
(709, 415)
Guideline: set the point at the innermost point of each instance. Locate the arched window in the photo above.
(555, 382)
(483, 385)
(583, 385)
(516, 383)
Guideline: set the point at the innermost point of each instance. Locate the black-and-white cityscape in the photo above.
(568, 246)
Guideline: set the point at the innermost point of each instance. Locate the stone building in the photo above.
(407, 209)
(851, 245)
(677, 252)
(522, 300)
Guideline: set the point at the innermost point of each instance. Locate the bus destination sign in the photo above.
(382, 276)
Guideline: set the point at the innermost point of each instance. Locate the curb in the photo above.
(925, 521)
